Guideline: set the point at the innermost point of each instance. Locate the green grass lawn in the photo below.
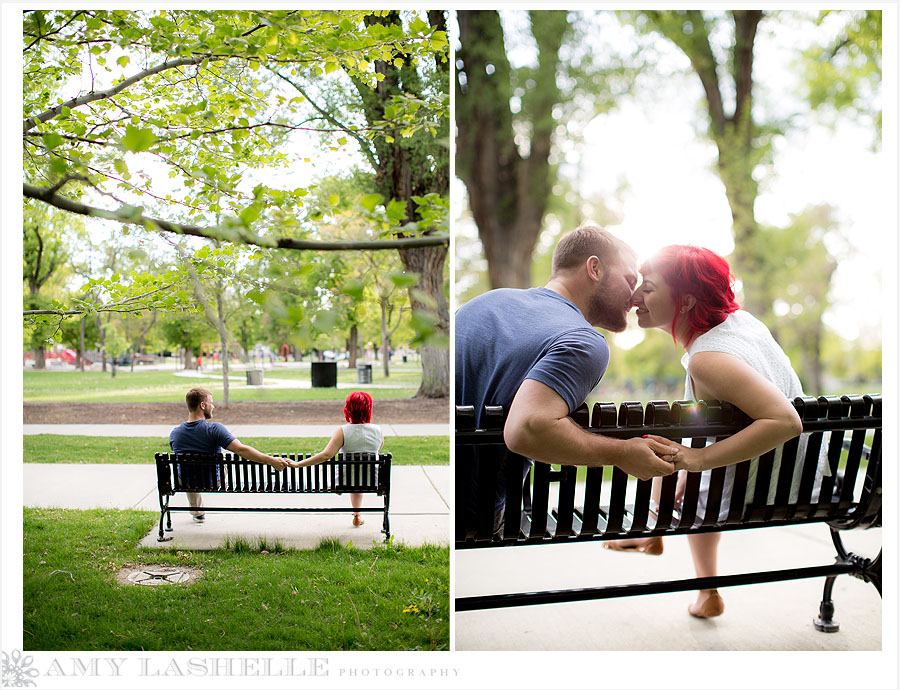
(164, 386)
(406, 450)
(331, 598)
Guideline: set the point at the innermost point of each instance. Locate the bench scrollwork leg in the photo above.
(825, 622)
(386, 526)
(164, 513)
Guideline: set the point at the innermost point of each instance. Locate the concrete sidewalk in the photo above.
(239, 430)
(419, 509)
(773, 616)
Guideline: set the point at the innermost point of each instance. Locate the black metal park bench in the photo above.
(227, 473)
(553, 505)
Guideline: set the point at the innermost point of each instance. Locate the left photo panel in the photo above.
(236, 330)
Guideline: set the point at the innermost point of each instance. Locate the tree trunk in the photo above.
(81, 344)
(508, 193)
(352, 346)
(40, 357)
(189, 361)
(428, 263)
(385, 339)
(223, 340)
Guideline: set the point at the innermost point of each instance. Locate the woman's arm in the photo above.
(334, 445)
(719, 376)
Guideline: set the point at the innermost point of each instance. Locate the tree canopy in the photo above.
(116, 102)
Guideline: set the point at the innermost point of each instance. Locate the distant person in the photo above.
(358, 435)
(199, 435)
(730, 356)
(536, 352)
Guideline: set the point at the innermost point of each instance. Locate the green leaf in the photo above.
(58, 166)
(137, 139)
(123, 61)
(250, 214)
(333, 200)
(331, 65)
(370, 201)
(403, 279)
(52, 140)
(120, 166)
(396, 210)
(354, 289)
(342, 141)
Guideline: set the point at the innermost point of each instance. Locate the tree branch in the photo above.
(745, 23)
(233, 234)
(112, 91)
(363, 144)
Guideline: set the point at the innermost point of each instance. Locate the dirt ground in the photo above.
(387, 411)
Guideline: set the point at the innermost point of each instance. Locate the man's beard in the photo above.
(207, 414)
(603, 314)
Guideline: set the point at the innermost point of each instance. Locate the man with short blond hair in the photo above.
(536, 353)
(199, 435)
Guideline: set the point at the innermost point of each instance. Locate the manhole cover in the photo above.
(157, 575)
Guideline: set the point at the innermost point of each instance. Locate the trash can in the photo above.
(404, 359)
(324, 374)
(364, 373)
(254, 377)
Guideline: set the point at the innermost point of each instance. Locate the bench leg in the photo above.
(164, 512)
(386, 527)
(825, 622)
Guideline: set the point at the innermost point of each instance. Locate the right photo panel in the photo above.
(669, 238)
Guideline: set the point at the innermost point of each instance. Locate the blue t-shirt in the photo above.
(505, 336)
(201, 436)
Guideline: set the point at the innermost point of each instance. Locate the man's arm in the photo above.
(250, 453)
(539, 427)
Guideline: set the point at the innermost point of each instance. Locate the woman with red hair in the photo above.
(729, 356)
(358, 435)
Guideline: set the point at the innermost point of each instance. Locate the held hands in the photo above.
(648, 457)
(280, 463)
(685, 458)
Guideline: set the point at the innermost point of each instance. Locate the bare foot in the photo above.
(708, 605)
(652, 546)
(357, 520)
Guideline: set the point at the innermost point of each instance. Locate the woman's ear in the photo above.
(687, 303)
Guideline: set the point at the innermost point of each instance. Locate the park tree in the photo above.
(188, 332)
(512, 120)
(44, 257)
(411, 171)
(803, 275)
(116, 101)
(721, 48)
(742, 142)
(842, 77)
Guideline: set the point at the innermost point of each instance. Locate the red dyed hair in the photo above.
(358, 408)
(699, 272)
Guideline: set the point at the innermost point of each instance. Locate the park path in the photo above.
(239, 430)
(274, 382)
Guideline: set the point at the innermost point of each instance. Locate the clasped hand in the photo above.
(685, 458)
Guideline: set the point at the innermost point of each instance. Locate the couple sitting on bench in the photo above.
(536, 354)
(199, 435)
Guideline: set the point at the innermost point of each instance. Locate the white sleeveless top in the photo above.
(747, 338)
(744, 336)
(362, 438)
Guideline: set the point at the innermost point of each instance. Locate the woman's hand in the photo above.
(690, 459)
